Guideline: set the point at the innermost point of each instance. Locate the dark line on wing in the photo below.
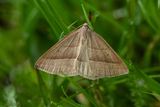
(80, 60)
(98, 46)
(69, 44)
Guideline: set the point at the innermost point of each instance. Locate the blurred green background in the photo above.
(28, 28)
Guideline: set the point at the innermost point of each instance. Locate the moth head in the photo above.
(85, 25)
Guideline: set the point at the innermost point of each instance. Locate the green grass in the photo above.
(29, 28)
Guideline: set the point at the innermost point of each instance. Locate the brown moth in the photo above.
(82, 52)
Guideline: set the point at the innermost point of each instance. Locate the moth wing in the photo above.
(61, 56)
(103, 60)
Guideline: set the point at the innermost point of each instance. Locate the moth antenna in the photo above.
(69, 25)
(90, 17)
(79, 26)
(65, 23)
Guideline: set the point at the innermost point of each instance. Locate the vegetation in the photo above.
(28, 28)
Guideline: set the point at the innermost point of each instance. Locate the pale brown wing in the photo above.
(82, 63)
(103, 60)
(62, 56)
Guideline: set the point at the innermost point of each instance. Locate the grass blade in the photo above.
(57, 18)
(159, 5)
(69, 100)
(62, 34)
(29, 22)
(68, 97)
(49, 17)
(107, 17)
(42, 89)
(154, 69)
(147, 17)
(82, 90)
(72, 102)
(152, 85)
(86, 16)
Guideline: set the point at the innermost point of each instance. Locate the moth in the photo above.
(82, 52)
